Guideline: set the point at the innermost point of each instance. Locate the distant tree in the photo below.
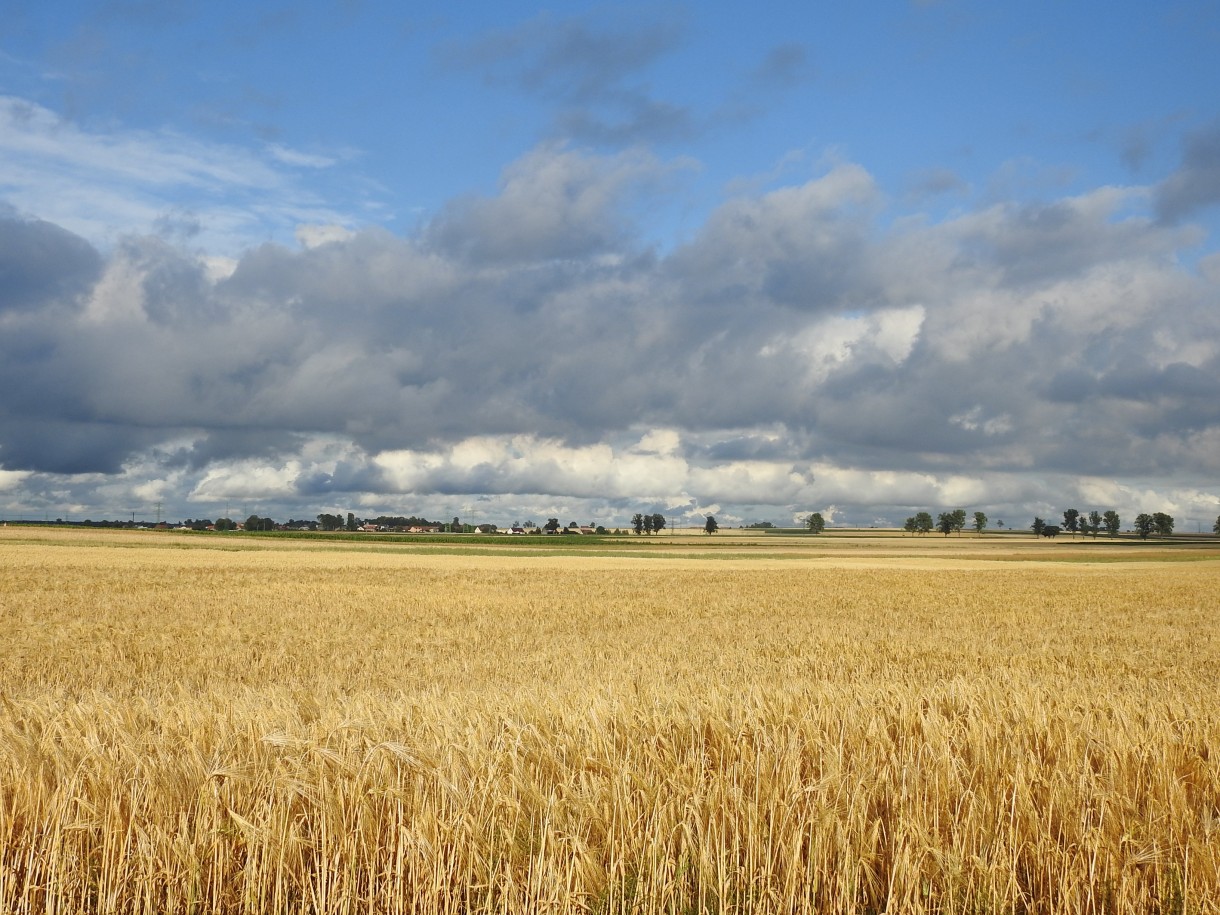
(1163, 524)
(648, 524)
(637, 523)
(923, 522)
(352, 524)
(1038, 526)
(1050, 530)
(909, 525)
(945, 523)
(711, 526)
(816, 523)
(1000, 525)
(1094, 522)
(1216, 526)
(1071, 521)
(551, 526)
(980, 523)
(225, 524)
(959, 520)
(1112, 522)
(600, 530)
(658, 522)
(1143, 525)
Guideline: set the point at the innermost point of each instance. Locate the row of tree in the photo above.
(648, 524)
(1074, 521)
(947, 522)
(954, 522)
(1146, 525)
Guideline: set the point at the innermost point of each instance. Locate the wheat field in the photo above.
(202, 724)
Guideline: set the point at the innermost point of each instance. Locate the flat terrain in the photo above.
(739, 723)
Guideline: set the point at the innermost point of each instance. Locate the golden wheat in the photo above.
(300, 728)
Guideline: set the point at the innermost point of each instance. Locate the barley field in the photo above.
(218, 724)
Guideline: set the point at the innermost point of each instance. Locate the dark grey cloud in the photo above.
(1196, 183)
(347, 477)
(41, 263)
(217, 445)
(69, 445)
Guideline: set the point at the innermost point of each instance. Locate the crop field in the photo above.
(749, 724)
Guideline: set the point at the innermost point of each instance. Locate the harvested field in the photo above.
(212, 724)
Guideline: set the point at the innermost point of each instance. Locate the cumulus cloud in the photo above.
(798, 351)
(554, 203)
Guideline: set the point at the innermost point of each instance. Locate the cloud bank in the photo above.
(807, 346)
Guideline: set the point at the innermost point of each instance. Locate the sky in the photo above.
(509, 262)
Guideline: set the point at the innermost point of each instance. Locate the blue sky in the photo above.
(586, 260)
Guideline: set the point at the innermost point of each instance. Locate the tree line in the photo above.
(1074, 521)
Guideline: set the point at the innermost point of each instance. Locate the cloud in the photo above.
(553, 203)
(576, 58)
(804, 246)
(594, 73)
(784, 65)
(42, 263)
(591, 66)
(101, 184)
(801, 349)
(934, 182)
(1195, 185)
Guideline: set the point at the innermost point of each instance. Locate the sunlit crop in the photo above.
(278, 727)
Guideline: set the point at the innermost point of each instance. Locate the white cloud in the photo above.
(250, 480)
(313, 236)
(298, 158)
(973, 420)
(104, 184)
(12, 479)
